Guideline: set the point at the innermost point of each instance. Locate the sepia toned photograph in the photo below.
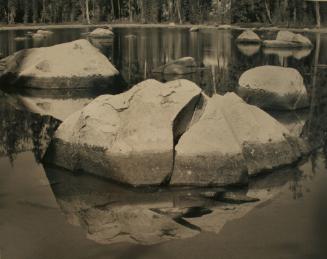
(163, 129)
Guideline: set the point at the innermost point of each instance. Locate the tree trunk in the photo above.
(35, 11)
(130, 10)
(112, 10)
(87, 12)
(268, 12)
(44, 11)
(318, 15)
(26, 11)
(179, 11)
(118, 9)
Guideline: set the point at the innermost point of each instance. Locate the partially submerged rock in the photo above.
(230, 140)
(172, 134)
(287, 39)
(194, 29)
(45, 32)
(273, 87)
(41, 34)
(225, 27)
(75, 64)
(128, 137)
(208, 153)
(101, 33)
(248, 36)
(182, 66)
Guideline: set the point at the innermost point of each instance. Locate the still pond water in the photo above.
(46, 212)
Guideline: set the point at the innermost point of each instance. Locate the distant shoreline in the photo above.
(255, 27)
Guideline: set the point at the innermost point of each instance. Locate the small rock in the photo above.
(195, 29)
(224, 27)
(101, 33)
(44, 32)
(248, 36)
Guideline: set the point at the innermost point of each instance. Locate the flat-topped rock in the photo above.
(248, 36)
(273, 87)
(287, 39)
(185, 65)
(128, 137)
(76, 64)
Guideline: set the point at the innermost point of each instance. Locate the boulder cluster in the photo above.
(172, 134)
(163, 133)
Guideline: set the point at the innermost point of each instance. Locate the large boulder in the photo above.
(182, 66)
(230, 141)
(287, 39)
(273, 87)
(248, 36)
(101, 33)
(128, 137)
(76, 64)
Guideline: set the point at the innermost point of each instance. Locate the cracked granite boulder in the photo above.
(172, 134)
(76, 64)
(128, 137)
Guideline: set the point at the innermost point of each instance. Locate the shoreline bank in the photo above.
(136, 25)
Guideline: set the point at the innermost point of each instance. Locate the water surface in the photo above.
(46, 212)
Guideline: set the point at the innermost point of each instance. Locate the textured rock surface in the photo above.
(128, 137)
(273, 87)
(208, 153)
(231, 140)
(248, 36)
(75, 64)
(173, 134)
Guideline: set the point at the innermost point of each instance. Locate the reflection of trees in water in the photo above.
(23, 131)
(316, 127)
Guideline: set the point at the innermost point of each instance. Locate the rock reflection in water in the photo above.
(22, 131)
(112, 213)
(61, 103)
(249, 49)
